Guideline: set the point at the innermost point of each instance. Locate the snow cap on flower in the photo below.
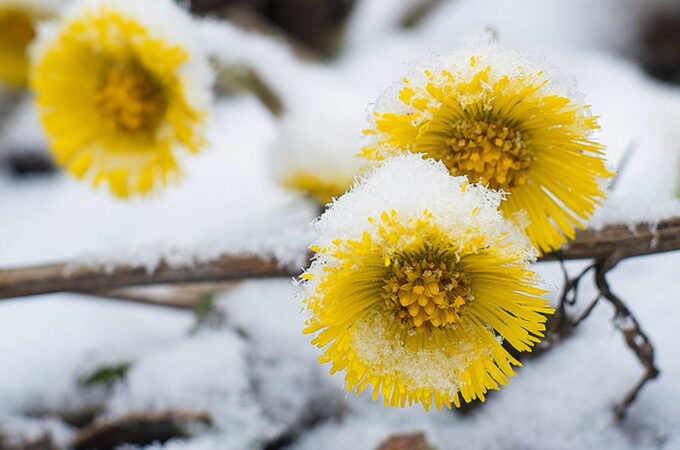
(503, 120)
(18, 22)
(317, 150)
(122, 90)
(414, 295)
(320, 165)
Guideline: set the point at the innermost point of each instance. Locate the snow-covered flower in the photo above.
(320, 165)
(316, 152)
(18, 21)
(501, 120)
(121, 89)
(414, 295)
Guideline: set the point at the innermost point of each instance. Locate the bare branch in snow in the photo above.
(624, 240)
(69, 277)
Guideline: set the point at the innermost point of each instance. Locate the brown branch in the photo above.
(562, 324)
(240, 77)
(179, 296)
(636, 240)
(142, 428)
(67, 277)
(417, 13)
(630, 240)
(635, 338)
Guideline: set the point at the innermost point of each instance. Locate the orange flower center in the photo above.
(130, 99)
(493, 154)
(423, 293)
(16, 30)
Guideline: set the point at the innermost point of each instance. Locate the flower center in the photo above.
(492, 153)
(130, 99)
(424, 293)
(16, 30)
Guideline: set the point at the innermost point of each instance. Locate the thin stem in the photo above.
(636, 339)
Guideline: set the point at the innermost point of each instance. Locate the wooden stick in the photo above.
(179, 296)
(637, 240)
(142, 428)
(69, 277)
(628, 240)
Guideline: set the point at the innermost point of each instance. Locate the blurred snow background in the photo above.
(248, 366)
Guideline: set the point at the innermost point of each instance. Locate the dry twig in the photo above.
(562, 324)
(67, 277)
(628, 241)
(605, 247)
(141, 428)
(635, 338)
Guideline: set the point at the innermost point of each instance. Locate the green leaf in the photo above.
(106, 375)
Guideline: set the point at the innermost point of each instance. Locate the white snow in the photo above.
(255, 373)
(22, 131)
(227, 202)
(320, 133)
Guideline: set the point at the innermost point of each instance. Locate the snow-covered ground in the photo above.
(253, 371)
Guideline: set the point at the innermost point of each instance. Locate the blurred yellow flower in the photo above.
(317, 186)
(18, 20)
(506, 125)
(417, 305)
(120, 90)
(315, 152)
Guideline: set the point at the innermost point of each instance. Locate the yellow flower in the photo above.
(315, 152)
(319, 187)
(507, 125)
(120, 91)
(18, 19)
(416, 299)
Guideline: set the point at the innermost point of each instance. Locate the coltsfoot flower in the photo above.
(504, 122)
(414, 296)
(319, 186)
(121, 90)
(316, 151)
(18, 22)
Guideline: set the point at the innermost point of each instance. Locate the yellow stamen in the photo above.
(489, 152)
(425, 293)
(16, 32)
(130, 99)
(16, 29)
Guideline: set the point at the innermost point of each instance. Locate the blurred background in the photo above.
(224, 365)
